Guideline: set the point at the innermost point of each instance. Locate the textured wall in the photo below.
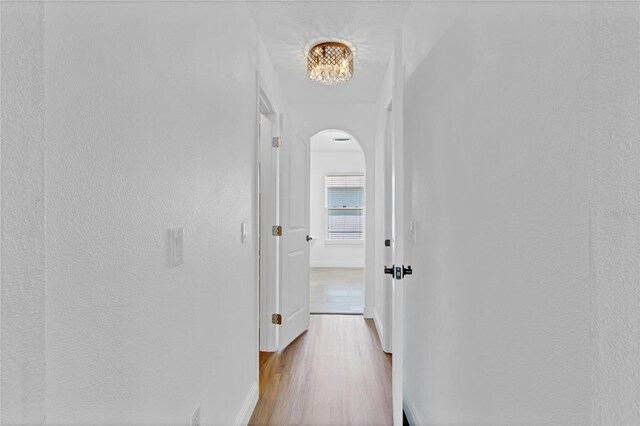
(614, 207)
(150, 124)
(522, 125)
(23, 214)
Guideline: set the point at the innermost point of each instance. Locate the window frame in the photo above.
(345, 242)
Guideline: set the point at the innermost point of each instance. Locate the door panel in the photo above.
(294, 254)
(269, 245)
(388, 234)
(395, 301)
(399, 240)
(298, 191)
(394, 288)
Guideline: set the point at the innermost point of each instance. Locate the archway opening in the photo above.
(337, 223)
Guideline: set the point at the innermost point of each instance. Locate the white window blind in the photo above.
(345, 207)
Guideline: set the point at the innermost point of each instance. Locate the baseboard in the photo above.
(248, 406)
(378, 322)
(335, 264)
(410, 410)
(369, 312)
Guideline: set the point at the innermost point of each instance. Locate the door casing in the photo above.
(267, 194)
(398, 237)
(387, 281)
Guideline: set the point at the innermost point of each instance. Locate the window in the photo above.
(345, 207)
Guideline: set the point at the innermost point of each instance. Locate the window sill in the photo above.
(343, 242)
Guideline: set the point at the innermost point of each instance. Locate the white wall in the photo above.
(23, 213)
(522, 132)
(325, 163)
(150, 123)
(614, 213)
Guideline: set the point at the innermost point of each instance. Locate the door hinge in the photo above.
(276, 141)
(276, 319)
(276, 231)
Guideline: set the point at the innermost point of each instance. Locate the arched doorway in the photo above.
(337, 223)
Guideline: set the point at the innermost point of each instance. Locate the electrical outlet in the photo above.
(195, 417)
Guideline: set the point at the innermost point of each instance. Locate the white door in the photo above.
(394, 295)
(399, 239)
(269, 216)
(294, 247)
(387, 288)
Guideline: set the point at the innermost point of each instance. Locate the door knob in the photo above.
(406, 271)
(389, 270)
(309, 238)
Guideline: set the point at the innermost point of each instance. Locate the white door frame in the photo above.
(398, 238)
(387, 218)
(267, 215)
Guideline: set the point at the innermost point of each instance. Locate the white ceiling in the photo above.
(287, 27)
(324, 142)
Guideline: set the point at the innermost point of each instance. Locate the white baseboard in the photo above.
(336, 264)
(369, 312)
(248, 406)
(378, 322)
(410, 410)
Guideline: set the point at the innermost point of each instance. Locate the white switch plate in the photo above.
(177, 246)
(243, 232)
(195, 417)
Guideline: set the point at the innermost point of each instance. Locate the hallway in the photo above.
(335, 373)
(172, 171)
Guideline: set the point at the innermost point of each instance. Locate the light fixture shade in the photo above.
(330, 63)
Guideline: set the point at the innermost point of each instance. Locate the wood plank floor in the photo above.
(334, 374)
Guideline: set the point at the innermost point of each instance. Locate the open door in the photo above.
(294, 244)
(394, 274)
(268, 215)
(387, 288)
(398, 237)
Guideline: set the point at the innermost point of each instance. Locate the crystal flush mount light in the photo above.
(330, 63)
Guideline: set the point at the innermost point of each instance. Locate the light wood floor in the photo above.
(337, 290)
(334, 374)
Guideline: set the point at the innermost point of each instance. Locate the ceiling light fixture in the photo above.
(342, 140)
(330, 63)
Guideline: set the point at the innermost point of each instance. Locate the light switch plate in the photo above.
(177, 246)
(243, 232)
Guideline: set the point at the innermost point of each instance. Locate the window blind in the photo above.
(345, 207)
